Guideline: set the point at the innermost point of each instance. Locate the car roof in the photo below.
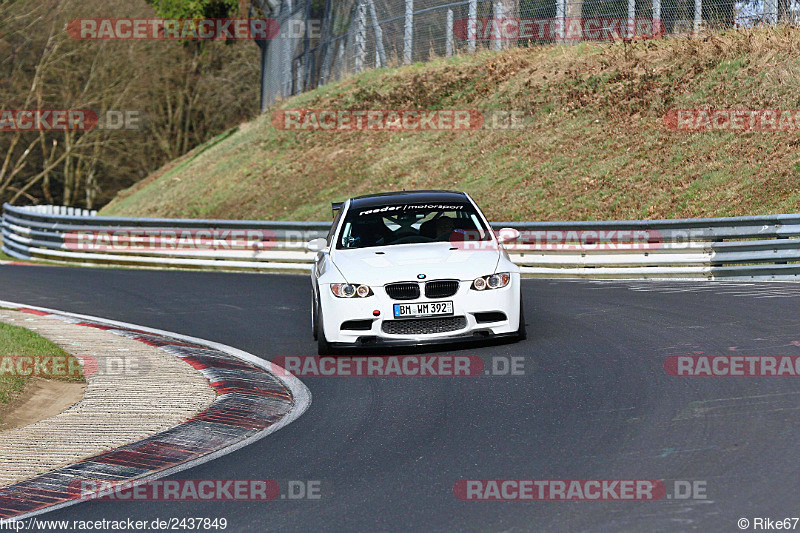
(404, 197)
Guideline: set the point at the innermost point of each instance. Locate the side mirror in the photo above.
(317, 245)
(507, 235)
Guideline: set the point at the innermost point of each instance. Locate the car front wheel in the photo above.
(313, 315)
(522, 332)
(323, 347)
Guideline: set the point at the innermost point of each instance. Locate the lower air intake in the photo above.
(424, 326)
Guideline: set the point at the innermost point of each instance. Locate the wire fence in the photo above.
(325, 40)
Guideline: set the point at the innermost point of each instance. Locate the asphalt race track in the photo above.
(596, 403)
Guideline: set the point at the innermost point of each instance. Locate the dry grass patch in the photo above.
(596, 146)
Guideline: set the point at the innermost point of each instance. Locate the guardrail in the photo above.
(758, 247)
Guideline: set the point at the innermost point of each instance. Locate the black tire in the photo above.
(313, 315)
(522, 331)
(323, 347)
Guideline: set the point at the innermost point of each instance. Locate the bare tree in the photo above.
(187, 93)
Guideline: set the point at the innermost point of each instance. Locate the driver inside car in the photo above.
(370, 232)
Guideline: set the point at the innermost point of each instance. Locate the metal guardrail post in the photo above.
(472, 22)
(408, 33)
(631, 32)
(658, 28)
(449, 42)
(561, 21)
(361, 35)
(698, 16)
(497, 42)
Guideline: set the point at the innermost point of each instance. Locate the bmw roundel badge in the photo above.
(420, 276)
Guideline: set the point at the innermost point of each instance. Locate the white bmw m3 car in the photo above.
(416, 267)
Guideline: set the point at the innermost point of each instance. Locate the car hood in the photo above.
(404, 262)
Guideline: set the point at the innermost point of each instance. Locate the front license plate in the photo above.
(426, 309)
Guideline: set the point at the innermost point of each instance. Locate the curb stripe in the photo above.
(253, 402)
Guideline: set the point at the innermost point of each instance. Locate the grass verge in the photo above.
(18, 341)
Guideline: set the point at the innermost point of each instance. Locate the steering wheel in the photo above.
(413, 239)
(446, 236)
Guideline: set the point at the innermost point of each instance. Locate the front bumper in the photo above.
(380, 342)
(467, 303)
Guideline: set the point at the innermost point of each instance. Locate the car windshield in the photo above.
(411, 223)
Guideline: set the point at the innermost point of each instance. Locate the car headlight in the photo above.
(348, 290)
(494, 281)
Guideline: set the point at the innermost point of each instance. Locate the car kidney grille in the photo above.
(403, 291)
(441, 288)
(424, 326)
